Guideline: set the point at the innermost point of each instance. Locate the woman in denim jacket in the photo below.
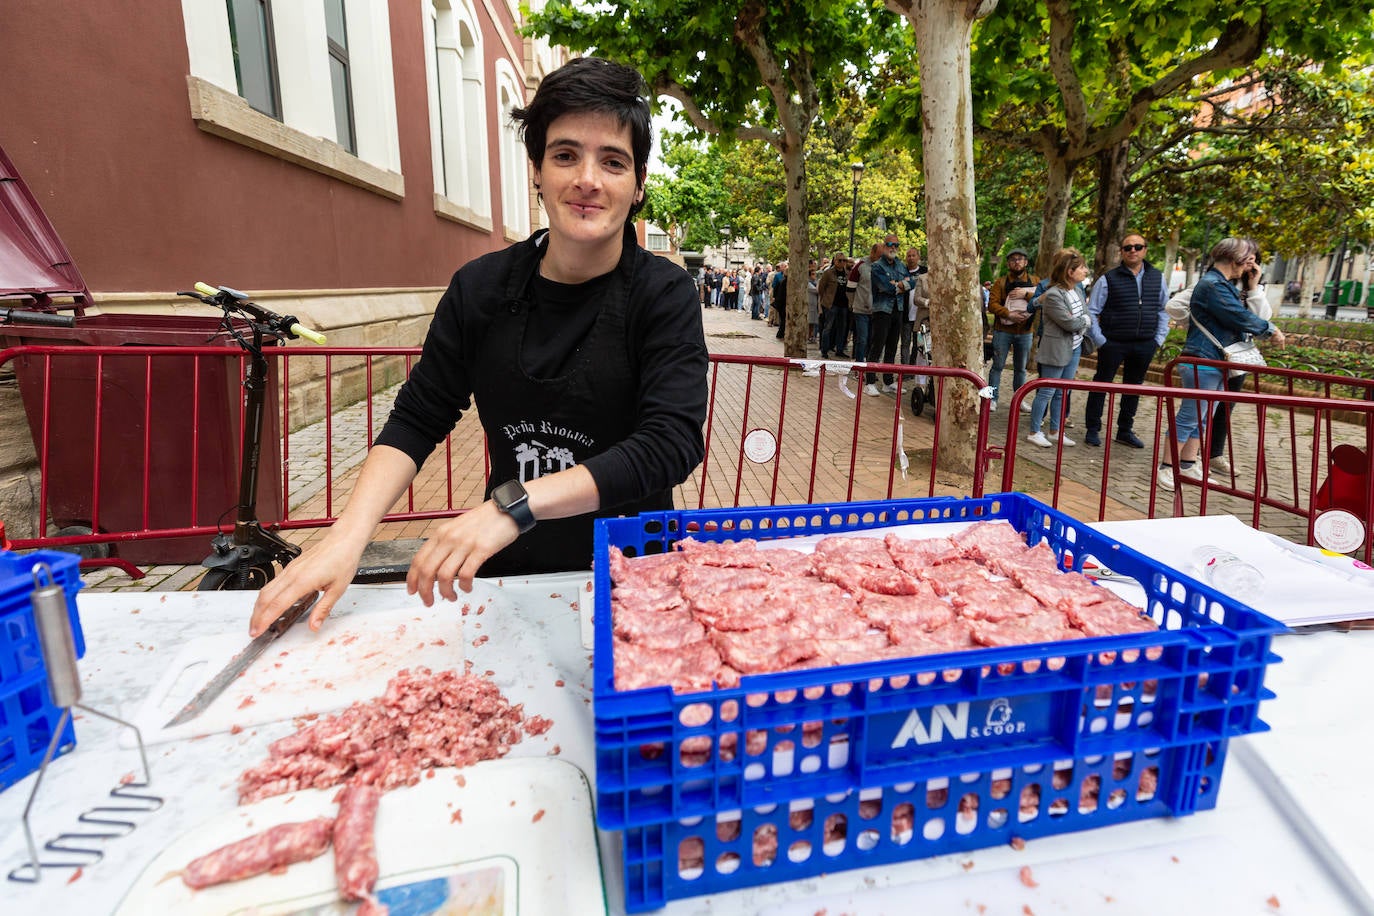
(1216, 305)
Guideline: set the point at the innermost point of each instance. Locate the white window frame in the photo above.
(305, 135)
(455, 64)
(515, 170)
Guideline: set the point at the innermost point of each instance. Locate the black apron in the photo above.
(538, 426)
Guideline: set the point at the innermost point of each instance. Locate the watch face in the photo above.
(508, 493)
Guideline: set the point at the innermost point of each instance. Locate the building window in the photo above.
(458, 110)
(655, 239)
(330, 86)
(515, 174)
(255, 59)
(336, 33)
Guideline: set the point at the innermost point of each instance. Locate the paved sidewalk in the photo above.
(819, 420)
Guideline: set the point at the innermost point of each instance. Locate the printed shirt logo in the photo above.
(540, 447)
(944, 721)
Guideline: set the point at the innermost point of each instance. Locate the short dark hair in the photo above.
(590, 84)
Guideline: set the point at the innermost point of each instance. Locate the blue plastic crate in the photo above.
(1165, 703)
(27, 713)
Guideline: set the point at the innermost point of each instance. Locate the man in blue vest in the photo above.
(1128, 325)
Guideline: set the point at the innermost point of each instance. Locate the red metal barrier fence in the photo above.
(1279, 450)
(774, 435)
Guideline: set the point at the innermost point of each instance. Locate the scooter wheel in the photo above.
(918, 401)
(248, 578)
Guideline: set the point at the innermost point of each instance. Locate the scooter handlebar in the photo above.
(44, 319)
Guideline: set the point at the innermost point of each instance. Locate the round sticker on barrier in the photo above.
(1338, 530)
(760, 446)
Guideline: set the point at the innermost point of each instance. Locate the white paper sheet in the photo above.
(1296, 591)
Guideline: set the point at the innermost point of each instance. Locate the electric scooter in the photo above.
(247, 556)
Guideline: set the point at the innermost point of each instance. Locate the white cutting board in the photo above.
(524, 822)
(350, 659)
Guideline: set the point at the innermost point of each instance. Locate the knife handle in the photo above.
(292, 614)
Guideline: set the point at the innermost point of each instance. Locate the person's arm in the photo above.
(1095, 303)
(457, 549)
(1229, 310)
(885, 280)
(328, 567)
(1054, 305)
(1040, 288)
(997, 297)
(426, 409)
(1257, 301)
(1162, 326)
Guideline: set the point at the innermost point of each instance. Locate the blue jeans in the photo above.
(1052, 398)
(1191, 423)
(860, 351)
(1020, 345)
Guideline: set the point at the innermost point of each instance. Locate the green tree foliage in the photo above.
(1290, 164)
(693, 203)
(1075, 81)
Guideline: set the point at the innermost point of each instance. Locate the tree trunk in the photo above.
(1311, 285)
(798, 245)
(1112, 206)
(943, 29)
(1055, 214)
(1171, 254)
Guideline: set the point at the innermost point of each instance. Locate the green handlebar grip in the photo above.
(313, 336)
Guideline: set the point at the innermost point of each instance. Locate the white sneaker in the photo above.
(1221, 464)
(891, 388)
(1165, 476)
(1040, 440)
(1025, 406)
(1195, 473)
(1066, 440)
(872, 390)
(992, 406)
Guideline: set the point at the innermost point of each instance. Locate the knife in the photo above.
(240, 663)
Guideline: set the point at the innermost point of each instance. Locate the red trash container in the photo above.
(185, 442)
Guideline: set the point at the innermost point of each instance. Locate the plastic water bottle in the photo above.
(1227, 572)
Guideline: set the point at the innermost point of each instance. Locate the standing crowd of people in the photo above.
(1123, 320)
(873, 309)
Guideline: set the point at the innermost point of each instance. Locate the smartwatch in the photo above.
(511, 498)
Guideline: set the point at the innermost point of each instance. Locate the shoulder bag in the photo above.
(1242, 352)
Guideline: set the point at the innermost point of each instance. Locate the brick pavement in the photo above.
(831, 448)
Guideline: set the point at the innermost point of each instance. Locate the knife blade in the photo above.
(241, 662)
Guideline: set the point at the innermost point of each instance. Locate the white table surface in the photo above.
(1292, 819)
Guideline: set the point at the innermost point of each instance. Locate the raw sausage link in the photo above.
(355, 849)
(277, 847)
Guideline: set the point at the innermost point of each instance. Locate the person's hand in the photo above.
(327, 568)
(1278, 339)
(457, 550)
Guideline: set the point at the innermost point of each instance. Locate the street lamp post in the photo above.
(725, 245)
(858, 169)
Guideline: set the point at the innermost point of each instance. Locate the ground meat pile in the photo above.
(707, 613)
(423, 720)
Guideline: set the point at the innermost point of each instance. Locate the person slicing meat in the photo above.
(584, 353)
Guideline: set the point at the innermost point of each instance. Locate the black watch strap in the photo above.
(511, 498)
